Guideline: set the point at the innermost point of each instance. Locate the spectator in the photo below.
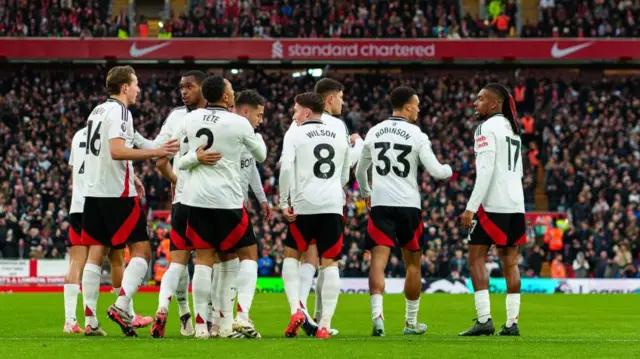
(265, 264)
(558, 270)
(580, 266)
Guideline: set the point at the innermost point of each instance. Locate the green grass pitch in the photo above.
(593, 326)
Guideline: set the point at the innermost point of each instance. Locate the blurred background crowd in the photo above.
(580, 146)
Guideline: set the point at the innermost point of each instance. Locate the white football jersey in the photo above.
(250, 177)
(76, 161)
(498, 186)
(315, 157)
(172, 124)
(218, 130)
(104, 176)
(396, 147)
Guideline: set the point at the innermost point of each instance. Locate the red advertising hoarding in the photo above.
(327, 50)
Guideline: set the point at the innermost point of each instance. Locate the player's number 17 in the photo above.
(516, 154)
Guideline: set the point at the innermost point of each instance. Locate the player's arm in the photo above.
(163, 165)
(119, 152)
(346, 167)
(254, 143)
(485, 148)
(361, 170)
(165, 135)
(255, 182)
(143, 143)
(287, 168)
(430, 162)
(355, 151)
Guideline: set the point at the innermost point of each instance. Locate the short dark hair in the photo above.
(198, 75)
(118, 76)
(311, 100)
(400, 96)
(249, 98)
(213, 88)
(326, 86)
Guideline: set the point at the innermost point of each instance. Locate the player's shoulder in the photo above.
(175, 114)
(117, 109)
(78, 136)
(334, 122)
(494, 124)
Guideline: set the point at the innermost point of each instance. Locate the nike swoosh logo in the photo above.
(136, 52)
(558, 53)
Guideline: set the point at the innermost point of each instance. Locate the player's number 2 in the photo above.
(324, 158)
(516, 152)
(402, 159)
(208, 134)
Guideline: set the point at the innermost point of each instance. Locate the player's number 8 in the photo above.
(206, 132)
(328, 159)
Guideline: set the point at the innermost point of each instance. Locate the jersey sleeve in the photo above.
(74, 144)
(484, 140)
(141, 142)
(255, 182)
(287, 169)
(355, 151)
(188, 161)
(253, 142)
(116, 122)
(346, 166)
(485, 163)
(429, 160)
(363, 166)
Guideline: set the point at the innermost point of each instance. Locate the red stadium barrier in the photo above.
(352, 50)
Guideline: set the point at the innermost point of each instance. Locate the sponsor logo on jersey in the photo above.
(482, 142)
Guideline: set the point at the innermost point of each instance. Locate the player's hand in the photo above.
(266, 211)
(169, 148)
(139, 187)
(288, 214)
(354, 138)
(208, 158)
(367, 201)
(467, 219)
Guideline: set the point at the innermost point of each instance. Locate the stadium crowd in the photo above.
(585, 134)
(326, 19)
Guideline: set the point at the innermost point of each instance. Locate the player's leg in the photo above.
(412, 290)
(182, 298)
(213, 318)
(201, 290)
(73, 278)
(247, 251)
(200, 232)
(409, 227)
(226, 292)
(308, 267)
(378, 239)
(168, 287)
(92, 235)
(509, 259)
(91, 289)
(298, 237)
(127, 226)
(329, 234)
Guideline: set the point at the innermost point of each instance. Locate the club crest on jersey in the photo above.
(123, 127)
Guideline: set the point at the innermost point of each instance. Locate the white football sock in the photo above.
(411, 311)
(71, 292)
(317, 307)
(169, 284)
(330, 293)
(130, 309)
(376, 306)
(90, 292)
(131, 281)
(247, 278)
(483, 305)
(228, 290)
(182, 292)
(307, 271)
(215, 294)
(200, 292)
(513, 308)
(291, 279)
